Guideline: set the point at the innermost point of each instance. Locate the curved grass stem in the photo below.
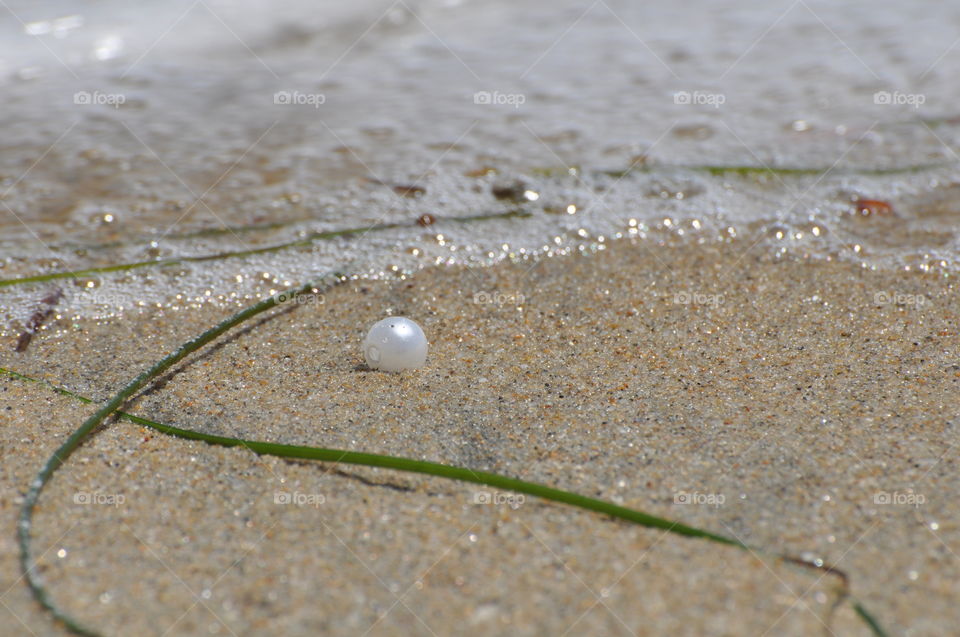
(462, 474)
(748, 170)
(60, 456)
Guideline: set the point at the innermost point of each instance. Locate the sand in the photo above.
(749, 352)
(804, 407)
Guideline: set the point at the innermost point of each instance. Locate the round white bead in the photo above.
(395, 343)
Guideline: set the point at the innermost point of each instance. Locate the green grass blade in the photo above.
(462, 474)
(746, 170)
(27, 563)
(454, 473)
(869, 620)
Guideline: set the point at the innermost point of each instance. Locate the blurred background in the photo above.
(190, 129)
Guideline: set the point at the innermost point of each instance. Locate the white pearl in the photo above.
(395, 343)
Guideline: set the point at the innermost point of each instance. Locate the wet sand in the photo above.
(803, 407)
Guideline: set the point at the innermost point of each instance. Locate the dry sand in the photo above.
(789, 397)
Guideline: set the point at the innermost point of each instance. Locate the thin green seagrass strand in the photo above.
(77, 437)
(466, 475)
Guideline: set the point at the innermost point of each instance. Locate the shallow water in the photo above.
(128, 132)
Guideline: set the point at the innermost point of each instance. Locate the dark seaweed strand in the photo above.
(747, 170)
(467, 475)
(299, 243)
(59, 456)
